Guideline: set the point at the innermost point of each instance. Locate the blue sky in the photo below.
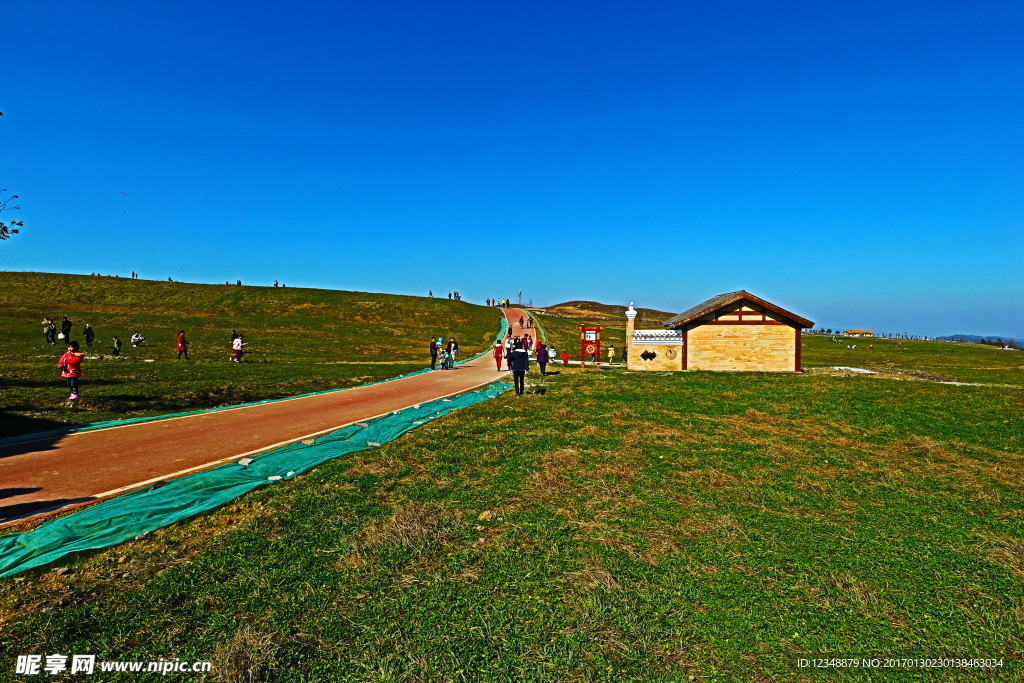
(858, 163)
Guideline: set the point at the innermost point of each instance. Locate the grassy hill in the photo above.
(300, 340)
(643, 526)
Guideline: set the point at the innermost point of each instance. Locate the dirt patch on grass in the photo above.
(247, 656)
(1006, 552)
(414, 525)
(853, 591)
(707, 478)
(373, 465)
(596, 577)
(126, 567)
(550, 481)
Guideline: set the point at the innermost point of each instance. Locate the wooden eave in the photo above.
(721, 301)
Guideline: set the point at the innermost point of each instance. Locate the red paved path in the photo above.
(50, 474)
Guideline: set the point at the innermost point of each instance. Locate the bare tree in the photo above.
(8, 229)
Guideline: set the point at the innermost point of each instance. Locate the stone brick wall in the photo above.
(668, 358)
(759, 348)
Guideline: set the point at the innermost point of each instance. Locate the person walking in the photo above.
(433, 354)
(182, 345)
(65, 328)
(520, 362)
(117, 346)
(498, 353)
(565, 358)
(611, 355)
(70, 365)
(509, 345)
(89, 335)
(238, 346)
(542, 359)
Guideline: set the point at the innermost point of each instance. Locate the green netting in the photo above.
(132, 420)
(139, 512)
(536, 323)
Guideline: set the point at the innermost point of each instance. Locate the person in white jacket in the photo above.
(239, 347)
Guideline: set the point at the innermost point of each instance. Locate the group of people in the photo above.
(70, 364)
(515, 352)
(443, 352)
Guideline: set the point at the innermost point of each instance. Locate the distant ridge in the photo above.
(594, 309)
(976, 339)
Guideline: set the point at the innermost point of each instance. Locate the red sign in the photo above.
(590, 344)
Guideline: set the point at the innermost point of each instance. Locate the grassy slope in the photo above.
(648, 527)
(300, 340)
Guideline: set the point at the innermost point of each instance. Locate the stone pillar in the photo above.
(630, 324)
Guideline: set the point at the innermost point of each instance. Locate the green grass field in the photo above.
(638, 527)
(300, 341)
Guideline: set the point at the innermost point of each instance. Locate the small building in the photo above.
(736, 331)
(858, 333)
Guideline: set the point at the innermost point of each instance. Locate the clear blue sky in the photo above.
(860, 163)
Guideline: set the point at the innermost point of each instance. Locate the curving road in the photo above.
(44, 476)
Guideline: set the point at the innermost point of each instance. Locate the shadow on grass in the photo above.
(23, 427)
(54, 383)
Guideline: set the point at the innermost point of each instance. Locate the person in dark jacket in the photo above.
(542, 359)
(433, 354)
(89, 335)
(520, 364)
(65, 328)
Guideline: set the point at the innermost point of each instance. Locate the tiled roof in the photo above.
(716, 302)
(699, 309)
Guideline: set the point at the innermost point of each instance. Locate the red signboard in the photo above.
(590, 344)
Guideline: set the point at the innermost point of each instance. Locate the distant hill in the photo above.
(593, 309)
(981, 340)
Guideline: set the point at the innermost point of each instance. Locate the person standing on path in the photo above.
(70, 365)
(433, 354)
(182, 345)
(611, 355)
(89, 335)
(520, 362)
(453, 349)
(542, 359)
(509, 344)
(565, 358)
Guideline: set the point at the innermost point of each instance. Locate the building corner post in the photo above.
(630, 325)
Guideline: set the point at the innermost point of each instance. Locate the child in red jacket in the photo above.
(70, 365)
